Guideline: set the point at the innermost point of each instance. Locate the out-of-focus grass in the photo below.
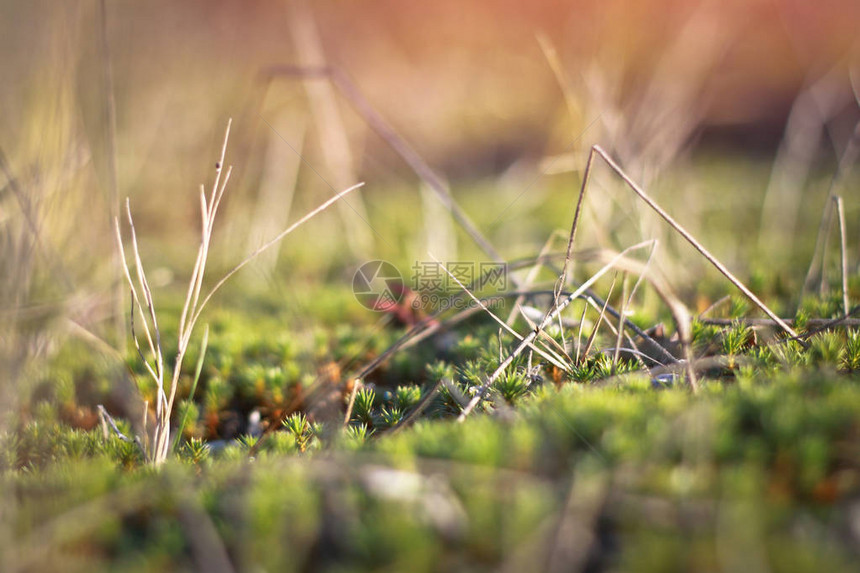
(757, 469)
(651, 480)
(754, 462)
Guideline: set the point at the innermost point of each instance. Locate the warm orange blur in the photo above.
(449, 72)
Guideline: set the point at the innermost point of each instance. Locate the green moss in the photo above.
(761, 461)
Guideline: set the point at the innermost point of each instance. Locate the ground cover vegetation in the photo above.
(659, 369)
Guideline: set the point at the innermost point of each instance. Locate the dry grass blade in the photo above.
(388, 134)
(550, 342)
(554, 359)
(721, 301)
(334, 143)
(680, 314)
(597, 150)
(530, 277)
(625, 300)
(843, 248)
(273, 241)
(417, 411)
(565, 269)
(579, 333)
(555, 64)
(26, 206)
(814, 323)
(106, 420)
(208, 210)
(551, 316)
(157, 371)
(629, 299)
(816, 105)
(600, 318)
(357, 385)
(849, 157)
(193, 305)
(603, 310)
(690, 239)
(111, 156)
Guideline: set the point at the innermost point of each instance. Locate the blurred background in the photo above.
(738, 116)
(734, 114)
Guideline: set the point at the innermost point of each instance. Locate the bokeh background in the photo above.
(735, 114)
(738, 116)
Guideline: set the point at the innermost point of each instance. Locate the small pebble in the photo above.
(662, 381)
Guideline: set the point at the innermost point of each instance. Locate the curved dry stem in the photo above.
(681, 315)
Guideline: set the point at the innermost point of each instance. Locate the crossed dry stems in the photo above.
(679, 311)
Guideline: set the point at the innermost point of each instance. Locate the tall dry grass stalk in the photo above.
(806, 129)
(111, 156)
(157, 446)
(386, 131)
(837, 187)
(646, 124)
(679, 311)
(277, 189)
(597, 151)
(335, 145)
